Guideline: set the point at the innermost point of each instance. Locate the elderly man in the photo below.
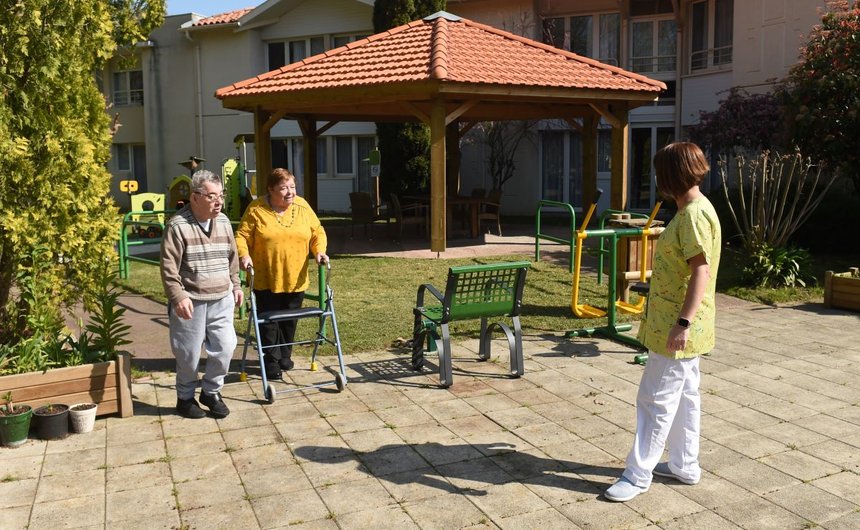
(200, 273)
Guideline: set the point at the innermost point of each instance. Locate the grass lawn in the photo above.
(374, 297)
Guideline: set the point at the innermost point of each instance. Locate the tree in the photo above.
(56, 215)
(748, 121)
(502, 138)
(822, 92)
(405, 147)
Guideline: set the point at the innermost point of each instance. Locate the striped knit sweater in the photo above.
(195, 264)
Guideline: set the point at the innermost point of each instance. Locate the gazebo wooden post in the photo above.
(437, 176)
(309, 140)
(262, 149)
(620, 137)
(589, 160)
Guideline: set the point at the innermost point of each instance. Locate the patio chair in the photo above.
(491, 209)
(364, 212)
(412, 214)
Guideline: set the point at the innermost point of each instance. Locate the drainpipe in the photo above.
(198, 93)
(680, 63)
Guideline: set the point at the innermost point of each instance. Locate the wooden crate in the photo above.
(842, 289)
(108, 384)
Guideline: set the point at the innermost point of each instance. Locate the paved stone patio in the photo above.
(780, 447)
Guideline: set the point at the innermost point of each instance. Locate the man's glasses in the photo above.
(212, 197)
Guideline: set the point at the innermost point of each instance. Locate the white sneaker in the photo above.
(623, 490)
(662, 470)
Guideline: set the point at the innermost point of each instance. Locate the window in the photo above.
(123, 157)
(343, 152)
(711, 34)
(366, 144)
(283, 53)
(128, 88)
(561, 159)
(653, 45)
(343, 40)
(322, 156)
(585, 34)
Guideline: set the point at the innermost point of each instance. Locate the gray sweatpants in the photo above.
(210, 326)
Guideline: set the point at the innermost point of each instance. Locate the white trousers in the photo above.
(210, 327)
(668, 410)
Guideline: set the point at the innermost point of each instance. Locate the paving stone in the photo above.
(475, 424)
(845, 485)
(599, 514)
(137, 503)
(392, 460)
(240, 515)
(388, 517)
(828, 425)
(846, 522)
(22, 467)
(125, 455)
(711, 491)
(243, 419)
(355, 495)
(16, 518)
(760, 514)
(438, 454)
(168, 520)
(753, 445)
(129, 433)
(801, 465)
(176, 427)
(372, 439)
(672, 504)
(94, 439)
(73, 461)
(297, 509)
(418, 484)
(523, 465)
(327, 472)
(304, 429)
(360, 421)
(448, 409)
(458, 512)
(497, 443)
(138, 476)
(464, 388)
(71, 485)
(209, 493)
(791, 435)
(211, 466)
(201, 444)
(292, 412)
(812, 503)
(275, 480)
(404, 416)
(86, 511)
(756, 477)
(20, 492)
(542, 434)
(261, 457)
(578, 454)
(252, 437)
(426, 433)
(703, 519)
(475, 475)
(836, 452)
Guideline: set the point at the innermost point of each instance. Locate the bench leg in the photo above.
(446, 374)
(484, 342)
(517, 364)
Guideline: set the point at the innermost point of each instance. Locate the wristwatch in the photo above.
(683, 322)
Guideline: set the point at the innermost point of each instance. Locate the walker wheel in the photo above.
(314, 366)
(270, 394)
(243, 377)
(340, 381)
(641, 359)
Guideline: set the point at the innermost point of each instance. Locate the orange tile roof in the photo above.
(230, 17)
(448, 49)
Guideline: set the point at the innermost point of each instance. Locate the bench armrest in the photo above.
(419, 300)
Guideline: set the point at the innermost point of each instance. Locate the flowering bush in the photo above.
(743, 120)
(822, 92)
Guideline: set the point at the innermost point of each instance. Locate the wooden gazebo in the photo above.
(450, 73)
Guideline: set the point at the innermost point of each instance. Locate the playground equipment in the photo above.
(153, 203)
(611, 330)
(179, 191)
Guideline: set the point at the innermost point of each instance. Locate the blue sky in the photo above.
(208, 7)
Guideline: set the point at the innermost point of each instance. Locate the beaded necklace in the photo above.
(280, 215)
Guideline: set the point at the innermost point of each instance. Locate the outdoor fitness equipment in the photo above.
(611, 330)
(325, 310)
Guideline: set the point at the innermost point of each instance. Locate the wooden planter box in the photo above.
(842, 289)
(108, 384)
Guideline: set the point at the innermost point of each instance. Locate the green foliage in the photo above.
(54, 146)
(743, 120)
(822, 91)
(109, 332)
(405, 147)
(778, 267)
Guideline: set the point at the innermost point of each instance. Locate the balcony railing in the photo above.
(711, 58)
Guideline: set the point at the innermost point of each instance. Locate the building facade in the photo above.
(699, 48)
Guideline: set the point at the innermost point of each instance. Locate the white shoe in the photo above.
(623, 490)
(662, 470)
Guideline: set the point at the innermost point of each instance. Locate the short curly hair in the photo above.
(279, 175)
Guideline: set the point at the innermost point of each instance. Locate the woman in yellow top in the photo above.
(678, 327)
(275, 236)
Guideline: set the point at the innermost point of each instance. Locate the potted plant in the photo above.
(14, 422)
(52, 421)
(83, 417)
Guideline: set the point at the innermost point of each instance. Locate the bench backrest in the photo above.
(493, 289)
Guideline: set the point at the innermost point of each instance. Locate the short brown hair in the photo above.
(679, 167)
(279, 175)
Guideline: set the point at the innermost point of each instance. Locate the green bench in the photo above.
(472, 291)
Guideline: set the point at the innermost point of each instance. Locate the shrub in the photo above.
(778, 267)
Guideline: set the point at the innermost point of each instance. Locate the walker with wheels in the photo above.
(322, 313)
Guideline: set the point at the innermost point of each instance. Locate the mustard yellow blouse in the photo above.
(279, 244)
(694, 230)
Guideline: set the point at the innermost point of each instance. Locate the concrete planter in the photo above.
(106, 384)
(842, 289)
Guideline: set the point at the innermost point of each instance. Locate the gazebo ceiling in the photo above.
(481, 73)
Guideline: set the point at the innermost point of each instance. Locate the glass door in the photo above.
(644, 143)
